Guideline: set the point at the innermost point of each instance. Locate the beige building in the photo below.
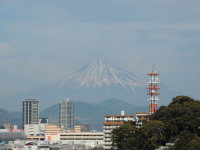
(52, 133)
(11, 127)
(81, 128)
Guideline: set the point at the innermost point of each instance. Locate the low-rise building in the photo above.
(57, 136)
(88, 139)
(81, 128)
(11, 127)
(31, 129)
(52, 133)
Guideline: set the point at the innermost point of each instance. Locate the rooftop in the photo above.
(113, 123)
(118, 116)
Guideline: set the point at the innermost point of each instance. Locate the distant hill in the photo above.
(10, 117)
(93, 114)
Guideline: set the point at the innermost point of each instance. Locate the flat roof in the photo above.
(142, 113)
(118, 116)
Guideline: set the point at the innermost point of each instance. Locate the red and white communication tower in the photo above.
(153, 91)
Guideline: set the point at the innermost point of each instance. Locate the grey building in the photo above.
(30, 117)
(66, 114)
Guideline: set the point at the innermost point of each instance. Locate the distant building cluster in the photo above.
(38, 134)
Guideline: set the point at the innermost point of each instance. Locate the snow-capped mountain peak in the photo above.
(99, 73)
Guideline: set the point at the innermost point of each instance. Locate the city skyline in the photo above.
(41, 42)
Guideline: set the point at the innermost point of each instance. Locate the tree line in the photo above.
(177, 123)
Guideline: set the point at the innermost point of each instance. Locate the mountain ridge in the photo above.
(87, 113)
(93, 114)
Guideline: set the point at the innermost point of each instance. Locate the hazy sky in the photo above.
(41, 41)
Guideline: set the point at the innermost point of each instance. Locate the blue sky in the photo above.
(41, 41)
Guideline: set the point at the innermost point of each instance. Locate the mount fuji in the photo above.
(98, 74)
(93, 83)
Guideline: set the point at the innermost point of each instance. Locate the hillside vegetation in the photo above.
(93, 114)
(10, 117)
(178, 123)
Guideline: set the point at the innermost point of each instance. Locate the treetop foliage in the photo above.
(178, 123)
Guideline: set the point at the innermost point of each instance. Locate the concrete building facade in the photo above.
(141, 117)
(54, 134)
(89, 139)
(66, 114)
(30, 117)
(111, 122)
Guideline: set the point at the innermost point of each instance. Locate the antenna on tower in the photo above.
(153, 68)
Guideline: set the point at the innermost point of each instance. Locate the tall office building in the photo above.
(30, 117)
(66, 114)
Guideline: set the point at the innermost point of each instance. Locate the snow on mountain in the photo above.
(99, 73)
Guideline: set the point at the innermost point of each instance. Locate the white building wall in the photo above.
(31, 129)
(108, 128)
(53, 137)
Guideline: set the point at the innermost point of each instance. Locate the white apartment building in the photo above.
(111, 122)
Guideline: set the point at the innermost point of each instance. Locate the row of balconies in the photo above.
(68, 135)
(117, 119)
(110, 126)
(80, 138)
(107, 131)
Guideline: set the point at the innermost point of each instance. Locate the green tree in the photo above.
(178, 123)
(153, 134)
(123, 136)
